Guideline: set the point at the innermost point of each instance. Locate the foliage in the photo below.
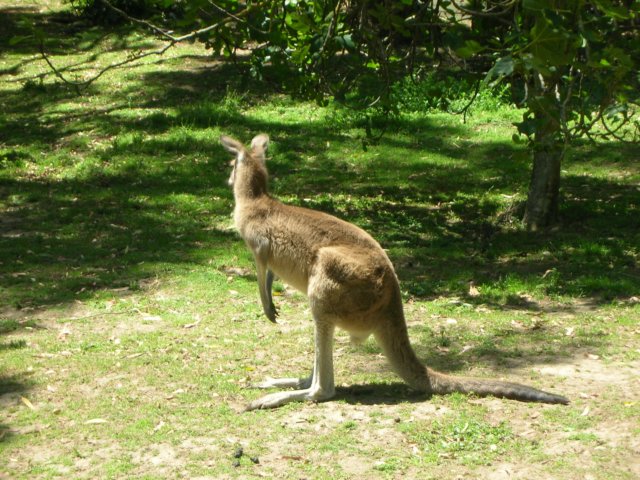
(574, 60)
(571, 64)
(576, 64)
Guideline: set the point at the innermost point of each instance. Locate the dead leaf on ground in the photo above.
(473, 290)
(293, 457)
(191, 325)
(173, 394)
(27, 403)
(64, 332)
(95, 421)
(546, 273)
(158, 426)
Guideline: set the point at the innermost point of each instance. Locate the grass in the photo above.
(130, 330)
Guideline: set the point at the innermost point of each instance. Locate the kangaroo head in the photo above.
(249, 174)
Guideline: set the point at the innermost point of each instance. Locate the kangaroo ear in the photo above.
(259, 145)
(231, 145)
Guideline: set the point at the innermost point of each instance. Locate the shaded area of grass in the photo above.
(64, 240)
(11, 385)
(14, 383)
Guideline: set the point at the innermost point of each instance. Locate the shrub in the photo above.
(434, 92)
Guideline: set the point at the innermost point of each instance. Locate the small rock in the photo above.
(255, 460)
(238, 453)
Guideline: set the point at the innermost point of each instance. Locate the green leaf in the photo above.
(527, 126)
(470, 48)
(550, 44)
(346, 41)
(502, 68)
(616, 110)
(614, 11)
(18, 38)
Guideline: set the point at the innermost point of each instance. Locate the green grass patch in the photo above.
(469, 439)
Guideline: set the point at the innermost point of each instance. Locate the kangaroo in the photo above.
(349, 281)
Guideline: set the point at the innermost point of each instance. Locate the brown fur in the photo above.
(349, 280)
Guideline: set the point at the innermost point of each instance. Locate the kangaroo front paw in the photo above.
(272, 313)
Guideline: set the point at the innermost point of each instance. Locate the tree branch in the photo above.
(485, 13)
(236, 17)
(85, 83)
(614, 132)
(144, 23)
(468, 105)
(172, 40)
(188, 36)
(508, 6)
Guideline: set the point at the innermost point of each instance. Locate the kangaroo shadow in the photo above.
(379, 394)
(13, 387)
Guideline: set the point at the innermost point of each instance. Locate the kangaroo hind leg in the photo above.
(321, 387)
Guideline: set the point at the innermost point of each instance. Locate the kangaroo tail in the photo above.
(392, 337)
(442, 384)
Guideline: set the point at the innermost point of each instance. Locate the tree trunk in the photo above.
(544, 189)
